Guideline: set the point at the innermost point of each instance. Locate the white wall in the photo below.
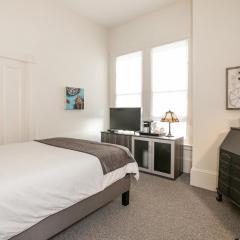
(168, 24)
(68, 51)
(216, 39)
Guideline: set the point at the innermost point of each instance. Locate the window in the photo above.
(129, 80)
(170, 83)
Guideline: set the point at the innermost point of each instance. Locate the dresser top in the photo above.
(144, 136)
(231, 142)
(235, 128)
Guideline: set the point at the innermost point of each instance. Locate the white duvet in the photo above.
(37, 180)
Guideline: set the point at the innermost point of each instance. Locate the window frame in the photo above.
(184, 119)
(146, 84)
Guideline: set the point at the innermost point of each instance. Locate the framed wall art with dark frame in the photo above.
(233, 88)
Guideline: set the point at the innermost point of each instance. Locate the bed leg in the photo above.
(125, 198)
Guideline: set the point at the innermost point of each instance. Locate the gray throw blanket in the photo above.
(110, 156)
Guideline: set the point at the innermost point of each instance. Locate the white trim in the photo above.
(16, 57)
(187, 165)
(187, 158)
(3, 104)
(187, 147)
(115, 53)
(21, 104)
(22, 122)
(204, 179)
(152, 50)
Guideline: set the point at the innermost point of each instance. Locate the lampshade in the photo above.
(170, 117)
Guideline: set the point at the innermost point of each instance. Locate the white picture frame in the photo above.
(233, 88)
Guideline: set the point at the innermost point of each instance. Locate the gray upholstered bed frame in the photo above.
(58, 222)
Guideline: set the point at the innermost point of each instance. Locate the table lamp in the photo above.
(170, 117)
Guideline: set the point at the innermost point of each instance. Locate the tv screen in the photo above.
(125, 119)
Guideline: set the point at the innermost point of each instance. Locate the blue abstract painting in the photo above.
(74, 98)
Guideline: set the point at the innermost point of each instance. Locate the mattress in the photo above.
(37, 180)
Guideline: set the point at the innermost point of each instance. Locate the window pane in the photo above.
(170, 84)
(175, 101)
(128, 100)
(170, 67)
(177, 129)
(129, 73)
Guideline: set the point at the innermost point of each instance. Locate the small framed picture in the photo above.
(74, 98)
(233, 88)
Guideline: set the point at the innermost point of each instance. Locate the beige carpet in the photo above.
(161, 209)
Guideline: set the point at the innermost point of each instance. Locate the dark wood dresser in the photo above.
(229, 167)
(117, 138)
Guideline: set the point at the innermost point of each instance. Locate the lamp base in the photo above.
(169, 131)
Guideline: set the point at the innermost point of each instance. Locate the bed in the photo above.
(46, 188)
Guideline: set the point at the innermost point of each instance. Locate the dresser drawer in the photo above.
(235, 160)
(223, 187)
(225, 156)
(229, 166)
(235, 183)
(224, 166)
(235, 171)
(234, 194)
(224, 177)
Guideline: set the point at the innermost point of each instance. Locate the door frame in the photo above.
(24, 98)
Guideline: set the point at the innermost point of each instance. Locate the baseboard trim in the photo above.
(187, 164)
(187, 158)
(204, 179)
(20, 58)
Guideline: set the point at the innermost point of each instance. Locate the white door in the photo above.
(13, 105)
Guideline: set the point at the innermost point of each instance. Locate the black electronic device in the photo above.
(125, 119)
(147, 127)
(150, 134)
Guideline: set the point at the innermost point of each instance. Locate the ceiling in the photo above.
(110, 13)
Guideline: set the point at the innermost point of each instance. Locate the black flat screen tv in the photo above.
(125, 119)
